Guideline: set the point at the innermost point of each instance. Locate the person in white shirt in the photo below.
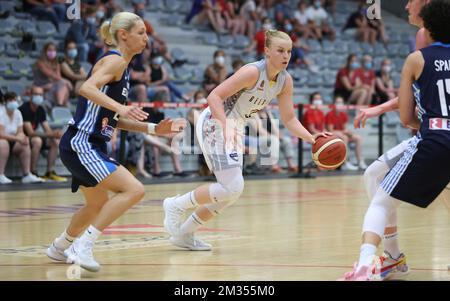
(317, 19)
(12, 139)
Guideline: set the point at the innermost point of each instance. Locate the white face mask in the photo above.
(340, 107)
(318, 102)
(201, 101)
(267, 26)
(220, 60)
(386, 68)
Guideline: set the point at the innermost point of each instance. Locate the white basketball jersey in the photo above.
(249, 101)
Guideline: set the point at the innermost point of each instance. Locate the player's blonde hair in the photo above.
(273, 33)
(123, 20)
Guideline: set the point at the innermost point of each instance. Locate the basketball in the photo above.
(329, 152)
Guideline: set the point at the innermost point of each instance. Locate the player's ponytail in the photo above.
(105, 33)
(123, 20)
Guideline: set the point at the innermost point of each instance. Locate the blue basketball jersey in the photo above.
(95, 120)
(433, 89)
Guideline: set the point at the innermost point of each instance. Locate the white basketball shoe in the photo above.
(55, 253)
(189, 241)
(173, 216)
(80, 253)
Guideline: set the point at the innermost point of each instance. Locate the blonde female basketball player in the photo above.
(100, 110)
(219, 131)
(375, 173)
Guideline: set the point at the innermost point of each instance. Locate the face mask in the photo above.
(158, 60)
(354, 65)
(37, 99)
(267, 26)
(288, 27)
(368, 65)
(91, 20)
(100, 14)
(140, 13)
(318, 102)
(220, 60)
(72, 53)
(317, 4)
(201, 101)
(340, 107)
(12, 105)
(386, 68)
(51, 54)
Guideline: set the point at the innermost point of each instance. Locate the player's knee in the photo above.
(137, 192)
(235, 188)
(374, 171)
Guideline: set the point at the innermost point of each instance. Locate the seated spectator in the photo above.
(318, 21)
(357, 23)
(249, 16)
(233, 22)
(380, 29)
(113, 148)
(71, 68)
(84, 33)
(301, 19)
(44, 9)
(236, 64)
(299, 50)
(204, 12)
(313, 118)
(140, 77)
(368, 78)
(286, 145)
(160, 77)
(47, 75)
(216, 72)
(384, 85)
(34, 115)
(330, 6)
(192, 116)
(348, 82)
(258, 42)
(336, 123)
(13, 140)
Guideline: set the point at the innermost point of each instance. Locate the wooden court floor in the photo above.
(291, 229)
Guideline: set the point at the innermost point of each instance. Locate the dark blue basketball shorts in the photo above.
(422, 173)
(85, 158)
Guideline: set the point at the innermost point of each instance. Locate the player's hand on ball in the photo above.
(170, 126)
(323, 134)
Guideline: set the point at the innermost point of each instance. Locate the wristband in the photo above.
(151, 128)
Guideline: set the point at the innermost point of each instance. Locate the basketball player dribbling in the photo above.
(101, 109)
(409, 179)
(219, 130)
(375, 173)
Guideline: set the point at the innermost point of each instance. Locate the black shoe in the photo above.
(162, 175)
(181, 174)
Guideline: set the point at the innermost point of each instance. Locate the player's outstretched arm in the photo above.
(288, 117)
(164, 127)
(366, 113)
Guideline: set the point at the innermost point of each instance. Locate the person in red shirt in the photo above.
(259, 39)
(314, 119)
(368, 77)
(336, 123)
(348, 82)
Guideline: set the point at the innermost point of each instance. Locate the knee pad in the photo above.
(380, 211)
(216, 208)
(226, 191)
(373, 176)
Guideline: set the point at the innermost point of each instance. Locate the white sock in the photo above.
(191, 224)
(91, 234)
(366, 254)
(64, 241)
(186, 201)
(391, 245)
